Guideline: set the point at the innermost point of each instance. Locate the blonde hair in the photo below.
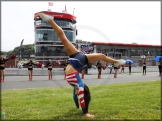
(50, 60)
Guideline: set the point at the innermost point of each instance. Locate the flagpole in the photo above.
(48, 6)
(73, 11)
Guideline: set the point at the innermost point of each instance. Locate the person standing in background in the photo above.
(83, 71)
(65, 63)
(160, 66)
(122, 70)
(111, 67)
(144, 67)
(115, 71)
(99, 66)
(130, 67)
(49, 65)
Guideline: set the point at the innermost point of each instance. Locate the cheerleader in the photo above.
(99, 66)
(30, 69)
(2, 66)
(65, 63)
(49, 66)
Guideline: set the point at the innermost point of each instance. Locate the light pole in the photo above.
(73, 11)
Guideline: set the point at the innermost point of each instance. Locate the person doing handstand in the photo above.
(76, 62)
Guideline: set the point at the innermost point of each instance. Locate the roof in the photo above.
(126, 44)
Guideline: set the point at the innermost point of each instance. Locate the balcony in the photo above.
(50, 54)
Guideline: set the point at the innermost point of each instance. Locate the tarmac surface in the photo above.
(22, 82)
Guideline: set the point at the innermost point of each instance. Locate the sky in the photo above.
(106, 21)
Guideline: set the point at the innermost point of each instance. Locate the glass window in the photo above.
(57, 22)
(50, 51)
(63, 23)
(68, 24)
(50, 35)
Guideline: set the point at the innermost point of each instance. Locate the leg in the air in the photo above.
(69, 47)
(99, 56)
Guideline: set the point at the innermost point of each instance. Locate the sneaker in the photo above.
(115, 76)
(45, 17)
(120, 62)
(82, 77)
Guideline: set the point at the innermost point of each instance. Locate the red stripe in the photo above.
(72, 81)
(81, 92)
(83, 103)
(72, 73)
(71, 77)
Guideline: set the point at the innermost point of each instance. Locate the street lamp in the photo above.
(73, 11)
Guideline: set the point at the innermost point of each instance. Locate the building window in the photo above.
(50, 35)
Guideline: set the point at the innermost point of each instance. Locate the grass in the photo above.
(137, 100)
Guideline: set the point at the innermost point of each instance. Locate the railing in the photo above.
(60, 71)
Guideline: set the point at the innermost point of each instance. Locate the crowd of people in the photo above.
(76, 65)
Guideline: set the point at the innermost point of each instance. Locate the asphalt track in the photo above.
(21, 82)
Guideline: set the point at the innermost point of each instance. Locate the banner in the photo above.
(20, 53)
(87, 48)
(37, 23)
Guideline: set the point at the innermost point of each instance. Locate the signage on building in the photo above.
(37, 22)
(87, 48)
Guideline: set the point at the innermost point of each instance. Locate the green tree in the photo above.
(26, 49)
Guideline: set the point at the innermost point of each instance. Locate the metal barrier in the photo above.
(36, 71)
(60, 71)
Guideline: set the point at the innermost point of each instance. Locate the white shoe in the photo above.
(120, 62)
(45, 17)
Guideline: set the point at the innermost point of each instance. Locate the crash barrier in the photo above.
(60, 71)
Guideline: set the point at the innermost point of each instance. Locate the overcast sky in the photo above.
(123, 22)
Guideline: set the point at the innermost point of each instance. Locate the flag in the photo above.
(64, 11)
(20, 49)
(49, 10)
(50, 4)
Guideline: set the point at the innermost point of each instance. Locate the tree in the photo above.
(134, 43)
(26, 49)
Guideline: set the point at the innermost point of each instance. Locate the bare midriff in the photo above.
(1, 65)
(70, 69)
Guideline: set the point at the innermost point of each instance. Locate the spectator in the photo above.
(144, 67)
(130, 67)
(122, 70)
(160, 66)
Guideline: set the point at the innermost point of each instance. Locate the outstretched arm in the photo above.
(25, 64)
(8, 59)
